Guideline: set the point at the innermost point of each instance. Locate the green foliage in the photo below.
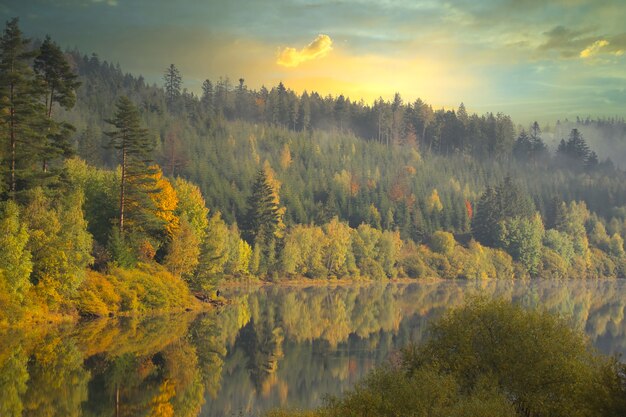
(536, 359)
(338, 257)
(303, 252)
(191, 206)
(15, 258)
(506, 201)
(59, 241)
(13, 383)
(183, 254)
(489, 358)
(214, 253)
(22, 113)
(239, 254)
(137, 180)
(442, 242)
(522, 239)
(560, 243)
(571, 219)
(616, 245)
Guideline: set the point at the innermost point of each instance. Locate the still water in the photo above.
(273, 346)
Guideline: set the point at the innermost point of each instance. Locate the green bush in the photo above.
(442, 242)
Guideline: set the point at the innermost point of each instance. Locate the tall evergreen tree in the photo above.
(21, 111)
(506, 201)
(173, 83)
(522, 148)
(575, 149)
(135, 149)
(263, 218)
(56, 76)
(58, 83)
(207, 95)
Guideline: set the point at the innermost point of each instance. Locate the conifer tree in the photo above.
(135, 148)
(264, 216)
(58, 83)
(173, 81)
(21, 111)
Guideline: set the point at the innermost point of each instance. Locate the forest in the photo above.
(118, 196)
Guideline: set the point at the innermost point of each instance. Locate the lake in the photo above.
(273, 346)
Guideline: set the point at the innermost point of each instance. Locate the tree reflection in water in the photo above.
(273, 346)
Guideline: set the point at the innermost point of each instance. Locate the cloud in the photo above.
(567, 42)
(594, 48)
(319, 48)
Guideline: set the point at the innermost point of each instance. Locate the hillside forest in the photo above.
(118, 196)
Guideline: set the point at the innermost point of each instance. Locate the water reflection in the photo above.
(273, 346)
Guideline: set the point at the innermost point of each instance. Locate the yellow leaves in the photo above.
(165, 201)
(285, 157)
(160, 404)
(146, 250)
(191, 205)
(433, 203)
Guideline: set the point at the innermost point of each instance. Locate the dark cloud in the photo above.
(567, 42)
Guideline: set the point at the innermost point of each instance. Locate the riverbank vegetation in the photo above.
(121, 197)
(489, 358)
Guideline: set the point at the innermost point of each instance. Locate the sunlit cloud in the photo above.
(594, 48)
(319, 48)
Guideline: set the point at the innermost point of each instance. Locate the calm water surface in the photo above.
(274, 346)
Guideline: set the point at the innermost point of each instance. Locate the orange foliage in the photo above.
(354, 186)
(468, 207)
(146, 250)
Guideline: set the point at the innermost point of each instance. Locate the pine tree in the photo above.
(303, 119)
(506, 201)
(575, 148)
(207, 96)
(484, 222)
(173, 82)
(58, 83)
(21, 111)
(264, 216)
(135, 147)
(522, 148)
(56, 76)
(263, 224)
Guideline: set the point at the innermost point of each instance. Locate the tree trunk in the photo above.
(122, 190)
(12, 187)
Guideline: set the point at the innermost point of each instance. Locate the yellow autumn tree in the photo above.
(165, 201)
(433, 203)
(285, 157)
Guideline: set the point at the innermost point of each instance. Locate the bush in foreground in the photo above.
(490, 358)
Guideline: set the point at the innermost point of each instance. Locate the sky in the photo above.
(533, 59)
